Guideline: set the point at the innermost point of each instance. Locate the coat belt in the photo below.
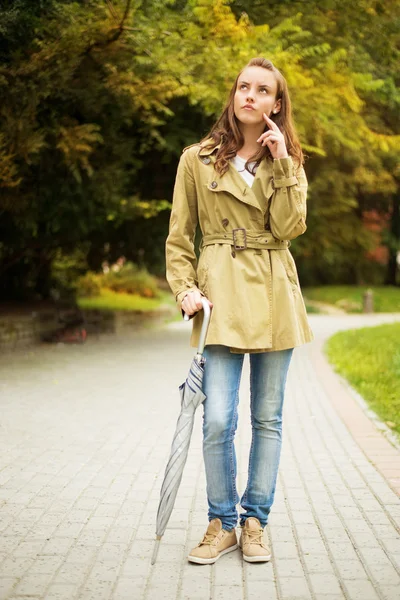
(241, 239)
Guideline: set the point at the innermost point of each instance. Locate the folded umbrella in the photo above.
(191, 397)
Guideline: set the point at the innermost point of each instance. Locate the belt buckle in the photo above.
(236, 245)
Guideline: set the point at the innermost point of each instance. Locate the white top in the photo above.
(239, 162)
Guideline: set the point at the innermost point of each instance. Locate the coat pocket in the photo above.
(203, 268)
(289, 265)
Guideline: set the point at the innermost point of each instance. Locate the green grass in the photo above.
(109, 300)
(350, 298)
(369, 358)
(311, 309)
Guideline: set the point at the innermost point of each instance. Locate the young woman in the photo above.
(245, 185)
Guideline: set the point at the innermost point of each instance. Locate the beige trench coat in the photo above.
(255, 290)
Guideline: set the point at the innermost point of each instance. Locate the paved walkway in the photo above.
(84, 437)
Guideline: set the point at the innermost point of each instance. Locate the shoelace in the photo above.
(255, 537)
(208, 538)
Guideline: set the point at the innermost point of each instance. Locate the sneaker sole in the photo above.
(256, 558)
(209, 561)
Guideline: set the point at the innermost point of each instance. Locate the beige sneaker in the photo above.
(252, 542)
(215, 543)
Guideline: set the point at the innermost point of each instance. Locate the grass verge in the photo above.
(109, 300)
(350, 298)
(369, 358)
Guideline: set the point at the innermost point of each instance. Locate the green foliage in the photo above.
(347, 113)
(121, 277)
(370, 359)
(89, 285)
(109, 300)
(350, 298)
(132, 280)
(98, 99)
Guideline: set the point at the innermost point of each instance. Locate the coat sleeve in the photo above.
(288, 209)
(181, 259)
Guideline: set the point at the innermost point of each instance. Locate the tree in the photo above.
(362, 151)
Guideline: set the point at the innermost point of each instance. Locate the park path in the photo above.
(84, 437)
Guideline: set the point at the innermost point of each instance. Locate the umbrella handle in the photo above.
(204, 327)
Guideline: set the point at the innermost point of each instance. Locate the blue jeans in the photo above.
(222, 373)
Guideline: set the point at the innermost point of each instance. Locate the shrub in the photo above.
(89, 285)
(131, 279)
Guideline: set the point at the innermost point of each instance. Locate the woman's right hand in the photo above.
(192, 302)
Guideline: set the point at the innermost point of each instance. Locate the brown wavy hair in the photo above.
(226, 128)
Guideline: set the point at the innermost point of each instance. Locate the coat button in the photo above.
(225, 222)
(233, 254)
(214, 184)
(206, 160)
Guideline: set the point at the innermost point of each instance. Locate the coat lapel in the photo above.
(233, 183)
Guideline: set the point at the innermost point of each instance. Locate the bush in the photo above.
(66, 269)
(89, 285)
(127, 278)
(131, 279)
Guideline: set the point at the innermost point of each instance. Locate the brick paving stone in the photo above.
(383, 573)
(46, 564)
(72, 573)
(392, 544)
(134, 568)
(31, 548)
(261, 589)
(390, 592)
(294, 587)
(324, 583)
(229, 570)
(336, 535)
(57, 545)
(128, 589)
(284, 550)
(259, 572)
(374, 555)
(342, 550)
(80, 484)
(16, 566)
(312, 545)
(339, 596)
(20, 597)
(350, 569)
(196, 578)
(95, 590)
(360, 589)
(228, 592)
(34, 584)
(166, 573)
(318, 563)
(281, 534)
(105, 571)
(160, 590)
(61, 591)
(289, 567)
(7, 584)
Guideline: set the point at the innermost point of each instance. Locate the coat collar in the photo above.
(232, 182)
(206, 149)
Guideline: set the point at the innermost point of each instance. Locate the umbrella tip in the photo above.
(155, 549)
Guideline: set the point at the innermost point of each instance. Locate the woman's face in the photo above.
(255, 93)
